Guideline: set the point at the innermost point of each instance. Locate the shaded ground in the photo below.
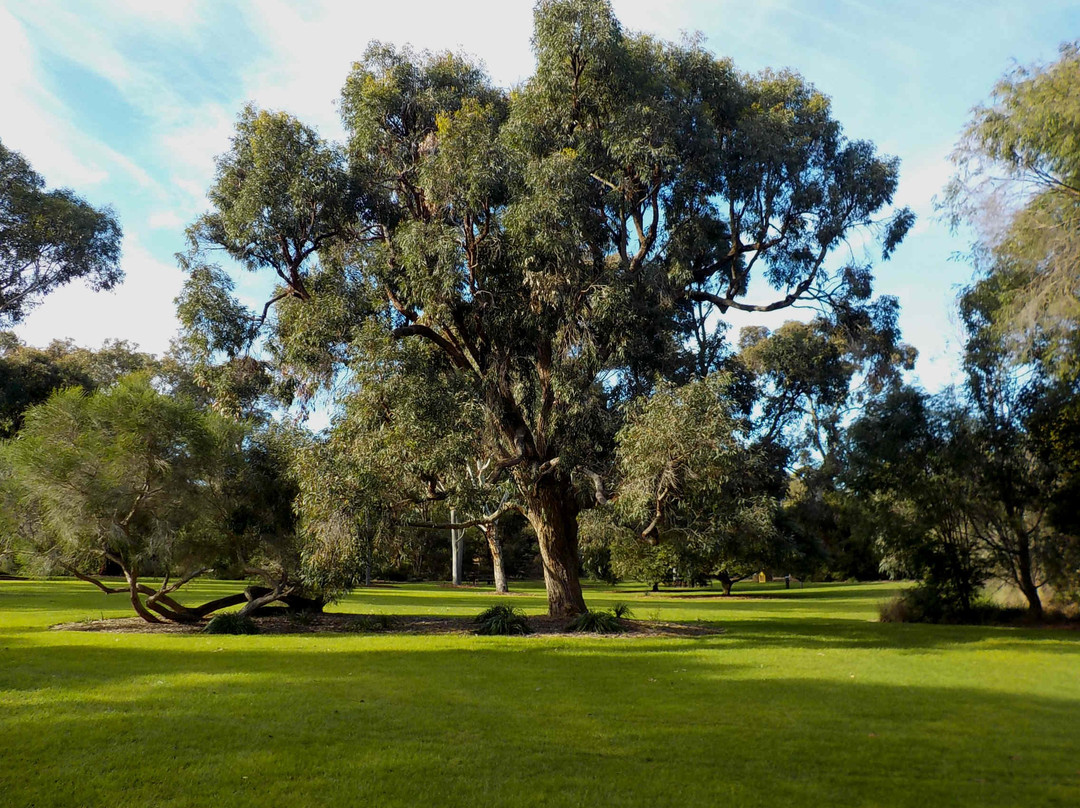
(396, 624)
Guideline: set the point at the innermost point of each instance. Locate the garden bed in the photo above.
(385, 624)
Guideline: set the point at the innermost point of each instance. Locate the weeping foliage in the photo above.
(1018, 186)
(116, 473)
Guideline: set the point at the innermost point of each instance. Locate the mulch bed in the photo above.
(388, 624)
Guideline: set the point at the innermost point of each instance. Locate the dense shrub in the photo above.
(896, 610)
(924, 604)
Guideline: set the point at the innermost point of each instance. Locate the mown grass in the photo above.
(803, 700)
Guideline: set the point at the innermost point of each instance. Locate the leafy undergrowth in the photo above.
(803, 699)
(914, 606)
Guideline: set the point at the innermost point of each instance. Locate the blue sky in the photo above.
(128, 102)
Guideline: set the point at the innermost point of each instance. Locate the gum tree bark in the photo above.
(552, 511)
(498, 567)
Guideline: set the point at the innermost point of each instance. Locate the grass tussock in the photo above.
(502, 620)
(231, 623)
(599, 622)
(920, 606)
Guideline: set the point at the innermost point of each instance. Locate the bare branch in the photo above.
(598, 483)
(108, 590)
(457, 358)
(503, 509)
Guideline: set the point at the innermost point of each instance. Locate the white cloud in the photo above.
(182, 13)
(312, 47)
(165, 220)
(33, 118)
(141, 310)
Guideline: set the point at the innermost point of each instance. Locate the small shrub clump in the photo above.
(301, 617)
(895, 610)
(502, 620)
(373, 622)
(231, 623)
(622, 610)
(596, 623)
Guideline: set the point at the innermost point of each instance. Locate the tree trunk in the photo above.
(258, 596)
(491, 532)
(136, 600)
(1027, 580)
(726, 582)
(552, 512)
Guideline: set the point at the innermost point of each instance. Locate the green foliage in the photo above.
(342, 504)
(150, 483)
(544, 247)
(925, 604)
(29, 375)
(596, 622)
(910, 467)
(695, 494)
(250, 495)
(231, 623)
(621, 610)
(48, 239)
(1018, 185)
(267, 187)
(833, 539)
(115, 472)
(502, 620)
(895, 610)
(595, 554)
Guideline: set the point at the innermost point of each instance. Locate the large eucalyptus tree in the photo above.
(554, 246)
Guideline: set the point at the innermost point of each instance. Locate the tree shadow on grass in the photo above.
(511, 723)
(787, 594)
(811, 633)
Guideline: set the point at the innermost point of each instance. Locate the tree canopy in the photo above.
(156, 485)
(29, 375)
(555, 248)
(1018, 185)
(48, 239)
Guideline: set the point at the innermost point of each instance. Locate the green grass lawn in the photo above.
(803, 700)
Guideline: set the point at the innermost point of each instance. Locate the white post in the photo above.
(457, 547)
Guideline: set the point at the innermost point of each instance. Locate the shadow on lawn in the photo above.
(782, 594)
(522, 722)
(810, 633)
